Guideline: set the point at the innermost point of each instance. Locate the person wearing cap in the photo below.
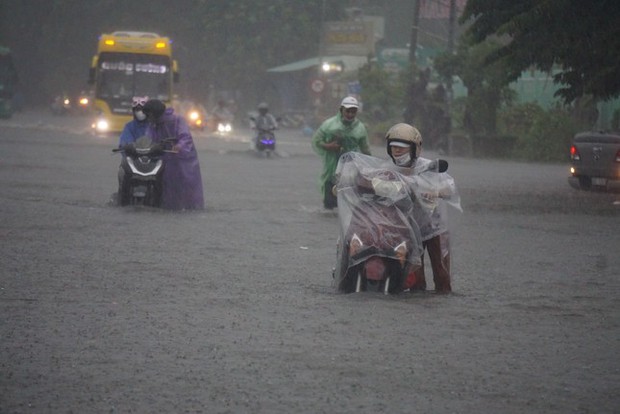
(404, 146)
(132, 130)
(337, 135)
(181, 180)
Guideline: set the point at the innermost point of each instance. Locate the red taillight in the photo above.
(574, 153)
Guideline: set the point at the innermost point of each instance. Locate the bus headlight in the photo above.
(101, 125)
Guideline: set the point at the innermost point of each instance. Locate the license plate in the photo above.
(599, 181)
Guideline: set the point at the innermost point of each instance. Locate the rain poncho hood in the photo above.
(352, 136)
(182, 181)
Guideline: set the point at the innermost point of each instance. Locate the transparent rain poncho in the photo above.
(383, 208)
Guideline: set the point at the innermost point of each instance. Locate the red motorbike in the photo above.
(380, 243)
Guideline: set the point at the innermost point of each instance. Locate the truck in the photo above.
(595, 161)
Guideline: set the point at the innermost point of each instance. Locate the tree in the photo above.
(580, 38)
(487, 85)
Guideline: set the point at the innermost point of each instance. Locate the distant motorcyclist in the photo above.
(264, 121)
(221, 114)
(404, 145)
(182, 180)
(337, 135)
(133, 130)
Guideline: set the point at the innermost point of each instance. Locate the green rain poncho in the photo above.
(352, 137)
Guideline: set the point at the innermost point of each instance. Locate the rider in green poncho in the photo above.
(337, 135)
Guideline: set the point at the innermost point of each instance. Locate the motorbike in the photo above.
(380, 242)
(194, 114)
(224, 127)
(84, 104)
(221, 122)
(196, 119)
(143, 166)
(265, 141)
(61, 105)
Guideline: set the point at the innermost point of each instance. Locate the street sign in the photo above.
(317, 85)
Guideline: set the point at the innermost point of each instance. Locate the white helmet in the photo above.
(350, 102)
(404, 135)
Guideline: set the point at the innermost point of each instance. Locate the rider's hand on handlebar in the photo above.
(157, 148)
(331, 146)
(130, 149)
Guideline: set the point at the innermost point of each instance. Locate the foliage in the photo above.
(383, 93)
(585, 38)
(487, 85)
(541, 135)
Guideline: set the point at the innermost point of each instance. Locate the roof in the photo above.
(299, 65)
(349, 62)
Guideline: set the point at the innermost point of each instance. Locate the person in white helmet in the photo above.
(404, 145)
(337, 135)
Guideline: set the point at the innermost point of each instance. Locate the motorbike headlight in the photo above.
(194, 115)
(83, 101)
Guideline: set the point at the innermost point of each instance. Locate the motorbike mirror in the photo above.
(442, 165)
(437, 165)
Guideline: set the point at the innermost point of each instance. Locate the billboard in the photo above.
(348, 38)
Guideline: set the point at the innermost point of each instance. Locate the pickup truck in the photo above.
(595, 161)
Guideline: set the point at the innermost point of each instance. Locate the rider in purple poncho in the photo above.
(182, 182)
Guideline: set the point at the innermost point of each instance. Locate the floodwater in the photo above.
(231, 310)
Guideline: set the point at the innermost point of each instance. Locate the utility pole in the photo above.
(411, 99)
(449, 91)
(451, 35)
(413, 42)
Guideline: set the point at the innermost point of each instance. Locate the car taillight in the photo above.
(618, 156)
(574, 153)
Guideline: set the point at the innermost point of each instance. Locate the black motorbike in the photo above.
(140, 173)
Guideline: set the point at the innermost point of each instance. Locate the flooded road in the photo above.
(231, 310)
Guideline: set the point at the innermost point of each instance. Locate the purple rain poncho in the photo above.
(182, 182)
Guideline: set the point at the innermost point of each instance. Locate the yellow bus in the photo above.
(129, 64)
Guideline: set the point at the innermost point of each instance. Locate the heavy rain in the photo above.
(113, 306)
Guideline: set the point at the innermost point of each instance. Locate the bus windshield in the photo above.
(124, 75)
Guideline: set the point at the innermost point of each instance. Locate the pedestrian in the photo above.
(404, 145)
(133, 130)
(182, 180)
(337, 135)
